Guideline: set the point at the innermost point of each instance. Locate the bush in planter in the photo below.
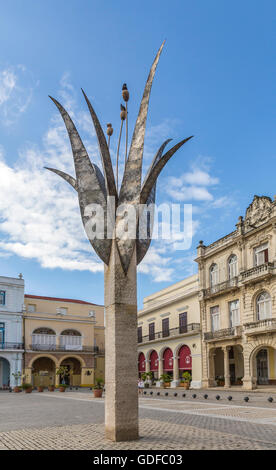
(62, 387)
(27, 387)
(98, 388)
(166, 379)
(186, 379)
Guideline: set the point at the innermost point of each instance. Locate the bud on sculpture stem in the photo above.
(109, 132)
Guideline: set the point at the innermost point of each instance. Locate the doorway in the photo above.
(262, 367)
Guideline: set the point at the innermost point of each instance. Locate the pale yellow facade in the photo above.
(237, 287)
(63, 332)
(175, 313)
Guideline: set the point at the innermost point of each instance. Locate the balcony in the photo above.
(225, 286)
(257, 273)
(11, 346)
(260, 327)
(226, 333)
(183, 330)
(63, 348)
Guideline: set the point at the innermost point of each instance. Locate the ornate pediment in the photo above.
(258, 212)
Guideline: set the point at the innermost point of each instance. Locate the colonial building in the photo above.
(11, 347)
(237, 283)
(63, 332)
(169, 333)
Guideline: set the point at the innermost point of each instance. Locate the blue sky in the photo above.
(215, 80)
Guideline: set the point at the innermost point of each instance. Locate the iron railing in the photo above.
(67, 347)
(226, 332)
(223, 286)
(11, 345)
(183, 329)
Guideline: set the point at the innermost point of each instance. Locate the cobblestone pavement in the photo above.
(166, 423)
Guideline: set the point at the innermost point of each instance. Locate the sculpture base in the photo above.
(121, 371)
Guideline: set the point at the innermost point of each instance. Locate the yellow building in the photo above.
(169, 338)
(63, 332)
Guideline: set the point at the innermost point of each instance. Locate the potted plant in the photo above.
(220, 381)
(62, 387)
(27, 387)
(17, 377)
(165, 379)
(51, 387)
(239, 381)
(62, 371)
(186, 380)
(98, 388)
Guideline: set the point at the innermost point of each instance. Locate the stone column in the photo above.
(176, 380)
(57, 381)
(147, 368)
(226, 366)
(160, 370)
(211, 379)
(121, 391)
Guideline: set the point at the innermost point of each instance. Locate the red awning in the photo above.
(168, 360)
(141, 363)
(154, 361)
(185, 358)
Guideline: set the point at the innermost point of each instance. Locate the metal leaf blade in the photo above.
(156, 170)
(104, 151)
(65, 176)
(131, 183)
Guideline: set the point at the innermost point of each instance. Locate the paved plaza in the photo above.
(75, 420)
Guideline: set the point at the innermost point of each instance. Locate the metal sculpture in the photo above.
(121, 255)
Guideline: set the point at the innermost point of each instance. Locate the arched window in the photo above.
(263, 306)
(214, 275)
(232, 266)
(71, 340)
(43, 331)
(70, 333)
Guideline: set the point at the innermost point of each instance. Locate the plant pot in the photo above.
(167, 384)
(40, 389)
(16, 389)
(29, 390)
(98, 393)
(186, 385)
(62, 389)
(51, 388)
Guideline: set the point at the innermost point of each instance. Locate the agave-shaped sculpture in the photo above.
(93, 187)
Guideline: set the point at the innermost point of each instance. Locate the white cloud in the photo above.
(16, 88)
(40, 216)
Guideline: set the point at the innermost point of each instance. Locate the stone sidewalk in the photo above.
(154, 435)
(166, 423)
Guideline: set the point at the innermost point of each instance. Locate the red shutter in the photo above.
(168, 360)
(266, 255)
(141, 363)
(154, 361)
(185, 358)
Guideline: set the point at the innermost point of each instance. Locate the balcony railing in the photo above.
(222, 334)
(261, 326)
(11, 345)
(257, 272)
(62, 348)
(223, 286)
(183, 329)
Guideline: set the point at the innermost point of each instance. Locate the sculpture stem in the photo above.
(117, 158)
(126, 132)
